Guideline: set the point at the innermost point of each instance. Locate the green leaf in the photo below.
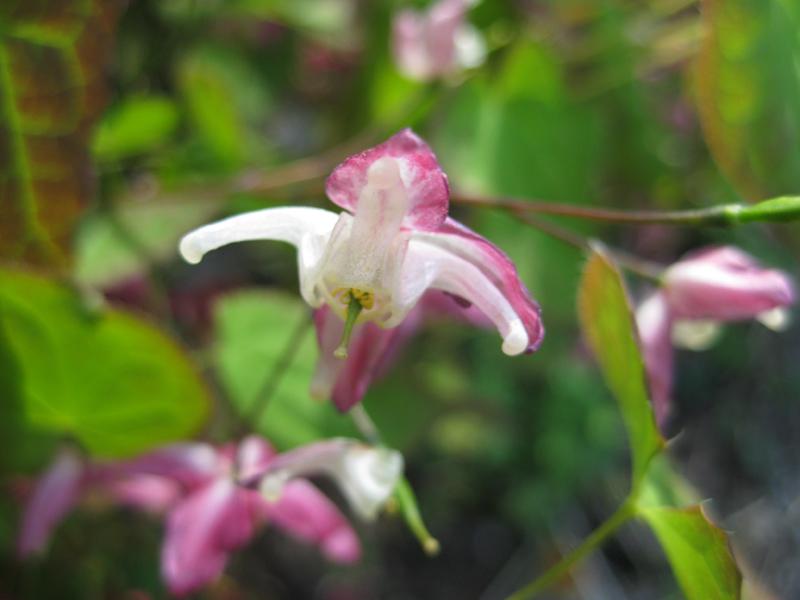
(139, 124)
(609, 329)
(748, 93)
(103, 255)
(109, 379)
(698, 552)
(226, 102)
(52, 55)
(255, 330)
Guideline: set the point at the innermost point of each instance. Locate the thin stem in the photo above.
(365, 424)
(623, 514)
(279, 369)
(714, 215)
(633, 264)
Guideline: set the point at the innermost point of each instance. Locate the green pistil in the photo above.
(354, 308)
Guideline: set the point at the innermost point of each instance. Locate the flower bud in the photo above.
(724, 284)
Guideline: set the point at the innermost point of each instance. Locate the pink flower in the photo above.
(713, 285)
(215, 499)
(375, 261)
(436, 43)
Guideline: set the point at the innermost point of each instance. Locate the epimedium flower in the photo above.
(708, 287)
(214, 499)
(393, 242)
(437, 42)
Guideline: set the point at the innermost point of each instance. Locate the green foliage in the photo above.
(122, 133)
(748, 91)
(111, 247)
(698, 552)
(114, 382)
(609, 329)
(227, 103)
(51, 56)
(255, 331)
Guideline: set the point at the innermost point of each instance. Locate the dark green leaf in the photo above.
(609, 329)
(111, 380)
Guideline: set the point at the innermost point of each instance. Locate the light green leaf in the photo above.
(137, 125)
(698, 552)
(52, 55)
(608, 326)
(111, 380)
(105, 256)
(255, 330)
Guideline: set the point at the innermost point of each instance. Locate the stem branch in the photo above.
(279, 369)
(714, 215)
(560, 569)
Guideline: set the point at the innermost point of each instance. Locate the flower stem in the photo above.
(633, 264)
(622, 515)
(782, 210)
(279, 369)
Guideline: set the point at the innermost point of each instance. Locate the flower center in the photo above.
(356, 300)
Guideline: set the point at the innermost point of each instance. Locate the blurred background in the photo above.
(145, 120)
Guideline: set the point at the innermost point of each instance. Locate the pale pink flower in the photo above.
(215, 499)
(393, 243)
(713, 285)
(437, 42)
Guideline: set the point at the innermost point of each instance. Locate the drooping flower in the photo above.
(213, 498)
(393, 243)
(435, 43)
(708, 287)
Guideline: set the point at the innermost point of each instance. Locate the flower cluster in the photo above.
(214, 498)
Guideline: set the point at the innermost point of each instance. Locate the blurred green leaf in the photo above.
(748, 92)
(138, 124)
(227, 103)
(327, 19)
(52, 55)
(698, 552)
(22, 447)
(111, 380)
(104, 255)
(254, 329)
(608, 326)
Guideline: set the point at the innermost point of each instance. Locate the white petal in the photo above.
(695, 334)
(431, 266)
(777, 319)
(286, 224)
(469, 47)
(366, 475)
